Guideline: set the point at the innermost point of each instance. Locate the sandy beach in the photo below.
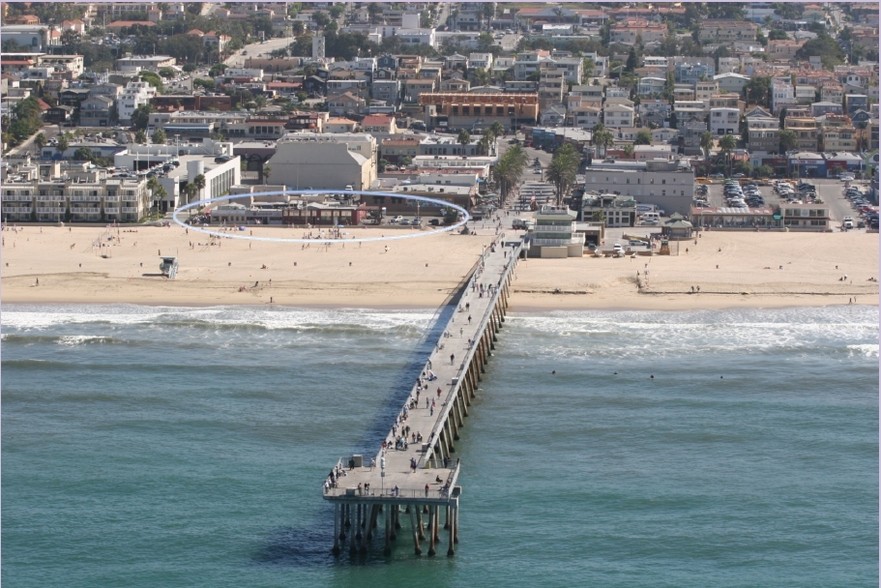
(731, 269)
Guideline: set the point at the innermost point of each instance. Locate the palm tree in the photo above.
(509, 170)
(562, 170)
(40, 141)
(706, 145)
(189, 192)
(199, 184)
(497, 129)
(602, 137)
(727, 144)
(464, 137)
(157, 191)
(484, 143)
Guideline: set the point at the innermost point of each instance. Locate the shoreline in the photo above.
(100, 265)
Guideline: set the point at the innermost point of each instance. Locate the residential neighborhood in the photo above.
(124, 112)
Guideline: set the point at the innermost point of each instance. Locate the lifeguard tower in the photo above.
(168, 267)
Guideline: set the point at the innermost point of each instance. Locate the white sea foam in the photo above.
(23, 318)
(864, 350)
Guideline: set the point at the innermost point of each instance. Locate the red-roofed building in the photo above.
(376, 123)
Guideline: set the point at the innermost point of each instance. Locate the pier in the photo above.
(413, 477)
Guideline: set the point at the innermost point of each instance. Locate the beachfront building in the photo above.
(612, 210)
(219, 174)
(554, 234)
(314, 211)
(669, 185)
(85, 196)
(307, 160)
(806, 217)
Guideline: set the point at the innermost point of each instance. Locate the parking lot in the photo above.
(829, 191)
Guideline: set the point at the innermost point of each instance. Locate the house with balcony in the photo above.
(837, 134)
(388, 91)
(584, 117)
(415, 87)
(705, 89)
(782, 95)
(95, 111)
(727, 31)
(630, 30)
(691, 73)
(651, 86)
(618, 116)
(763, 131)
(805, 129)
(346, 104)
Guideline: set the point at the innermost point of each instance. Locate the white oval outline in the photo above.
(236, 235)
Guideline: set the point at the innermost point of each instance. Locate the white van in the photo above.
(651, 218)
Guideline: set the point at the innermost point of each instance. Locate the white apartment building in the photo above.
(96, 199)
(724, 121)
(618, 116)
(782, 95)
(135, 94)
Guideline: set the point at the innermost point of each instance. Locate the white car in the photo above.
(617, 248)
(397, 219)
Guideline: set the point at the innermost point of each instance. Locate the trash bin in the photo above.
(358, 460)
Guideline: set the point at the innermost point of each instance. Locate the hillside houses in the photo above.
(640, 71)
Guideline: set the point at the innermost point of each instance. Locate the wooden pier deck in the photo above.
(416, 469)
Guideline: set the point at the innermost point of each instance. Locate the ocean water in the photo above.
(187, 447)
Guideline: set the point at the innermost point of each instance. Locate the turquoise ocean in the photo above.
(161, 446)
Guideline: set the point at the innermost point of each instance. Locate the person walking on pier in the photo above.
(452, 358)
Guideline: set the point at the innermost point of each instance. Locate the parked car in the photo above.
(397, 219)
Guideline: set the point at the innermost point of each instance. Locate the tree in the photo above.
(199, 184)
(562, 170)
(823, 46)
(63, 143)
(497, 129)
(629, 150)
(141, 137)
(159, 137)
(727, 145)
(643, 137)
(632, 60)
(706, 143)
(509, 170)
(40, 141)
(189, 191)
(153, 79)
(217, 70)
(157, 191)
(141, 117)
(464, 137)
(602, 138)
(777, 35)
(82, 154)
(758, 91)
